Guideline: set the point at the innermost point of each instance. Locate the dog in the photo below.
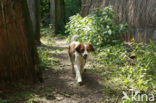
(78, 53)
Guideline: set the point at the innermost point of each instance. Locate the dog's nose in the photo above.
(85, 55)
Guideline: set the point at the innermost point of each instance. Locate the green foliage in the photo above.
(34, 99)
(46, 54)
(5, 101)
(99, 28)
(111, 54)
(134, 65)
(45, 10)
(71, 8)
(46, 57)
(47, 31)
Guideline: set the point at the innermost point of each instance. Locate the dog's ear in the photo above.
(90, 48)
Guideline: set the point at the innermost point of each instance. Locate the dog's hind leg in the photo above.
(71, 60)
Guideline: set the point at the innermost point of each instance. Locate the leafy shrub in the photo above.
(99, 28)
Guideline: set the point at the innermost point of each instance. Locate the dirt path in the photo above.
(59, 84)
(62, 85)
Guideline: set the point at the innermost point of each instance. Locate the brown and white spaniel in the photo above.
(78, 53)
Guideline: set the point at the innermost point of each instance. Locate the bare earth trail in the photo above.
(62, 84)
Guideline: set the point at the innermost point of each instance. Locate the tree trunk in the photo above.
(18, 56)
(59, 16)
(34, 9)
(52, 12)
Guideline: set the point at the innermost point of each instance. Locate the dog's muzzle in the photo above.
(85, 56)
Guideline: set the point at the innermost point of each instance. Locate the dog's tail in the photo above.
(74, 38)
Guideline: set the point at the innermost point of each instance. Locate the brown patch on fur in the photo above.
(71, 50)
(90, 47)
(80, 48)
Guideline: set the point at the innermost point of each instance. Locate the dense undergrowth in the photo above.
(131, 65)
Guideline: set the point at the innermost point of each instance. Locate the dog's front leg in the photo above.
(82, 66)
(77, 70)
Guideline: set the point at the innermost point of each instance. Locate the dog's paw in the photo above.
(79, 83)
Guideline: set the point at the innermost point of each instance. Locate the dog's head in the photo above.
(84, 49)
